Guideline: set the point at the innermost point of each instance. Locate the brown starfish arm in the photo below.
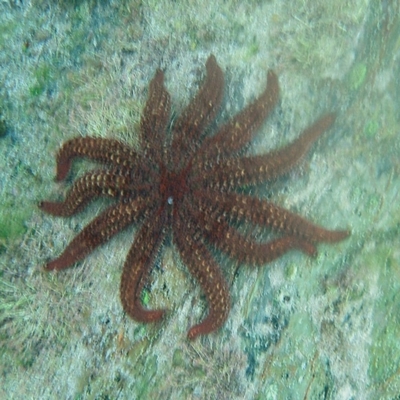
(263, 213)
(202, 265)
(292, 224)
(237, 172)
(116, 183)
(153, 123)
(236, 133)
(99, 231)
(108, 151)
(262, 253)
(197, 115)
(137, 266)
(227, 239)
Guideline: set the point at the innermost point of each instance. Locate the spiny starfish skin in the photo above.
(185, 182)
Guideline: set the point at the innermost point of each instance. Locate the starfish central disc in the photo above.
(173, 186)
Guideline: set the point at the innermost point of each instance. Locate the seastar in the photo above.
(185, 182)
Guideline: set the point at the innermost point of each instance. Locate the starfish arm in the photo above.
(198, 114)
(153, 124)
(236, 133)
(204, 268)
(227, 239)
(137, 267)
(115, 183)
(236, 172)
(99, 231)
(108, 151)
(238, 247)
(264, 213)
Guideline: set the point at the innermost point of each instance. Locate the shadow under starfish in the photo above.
(186, 182)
